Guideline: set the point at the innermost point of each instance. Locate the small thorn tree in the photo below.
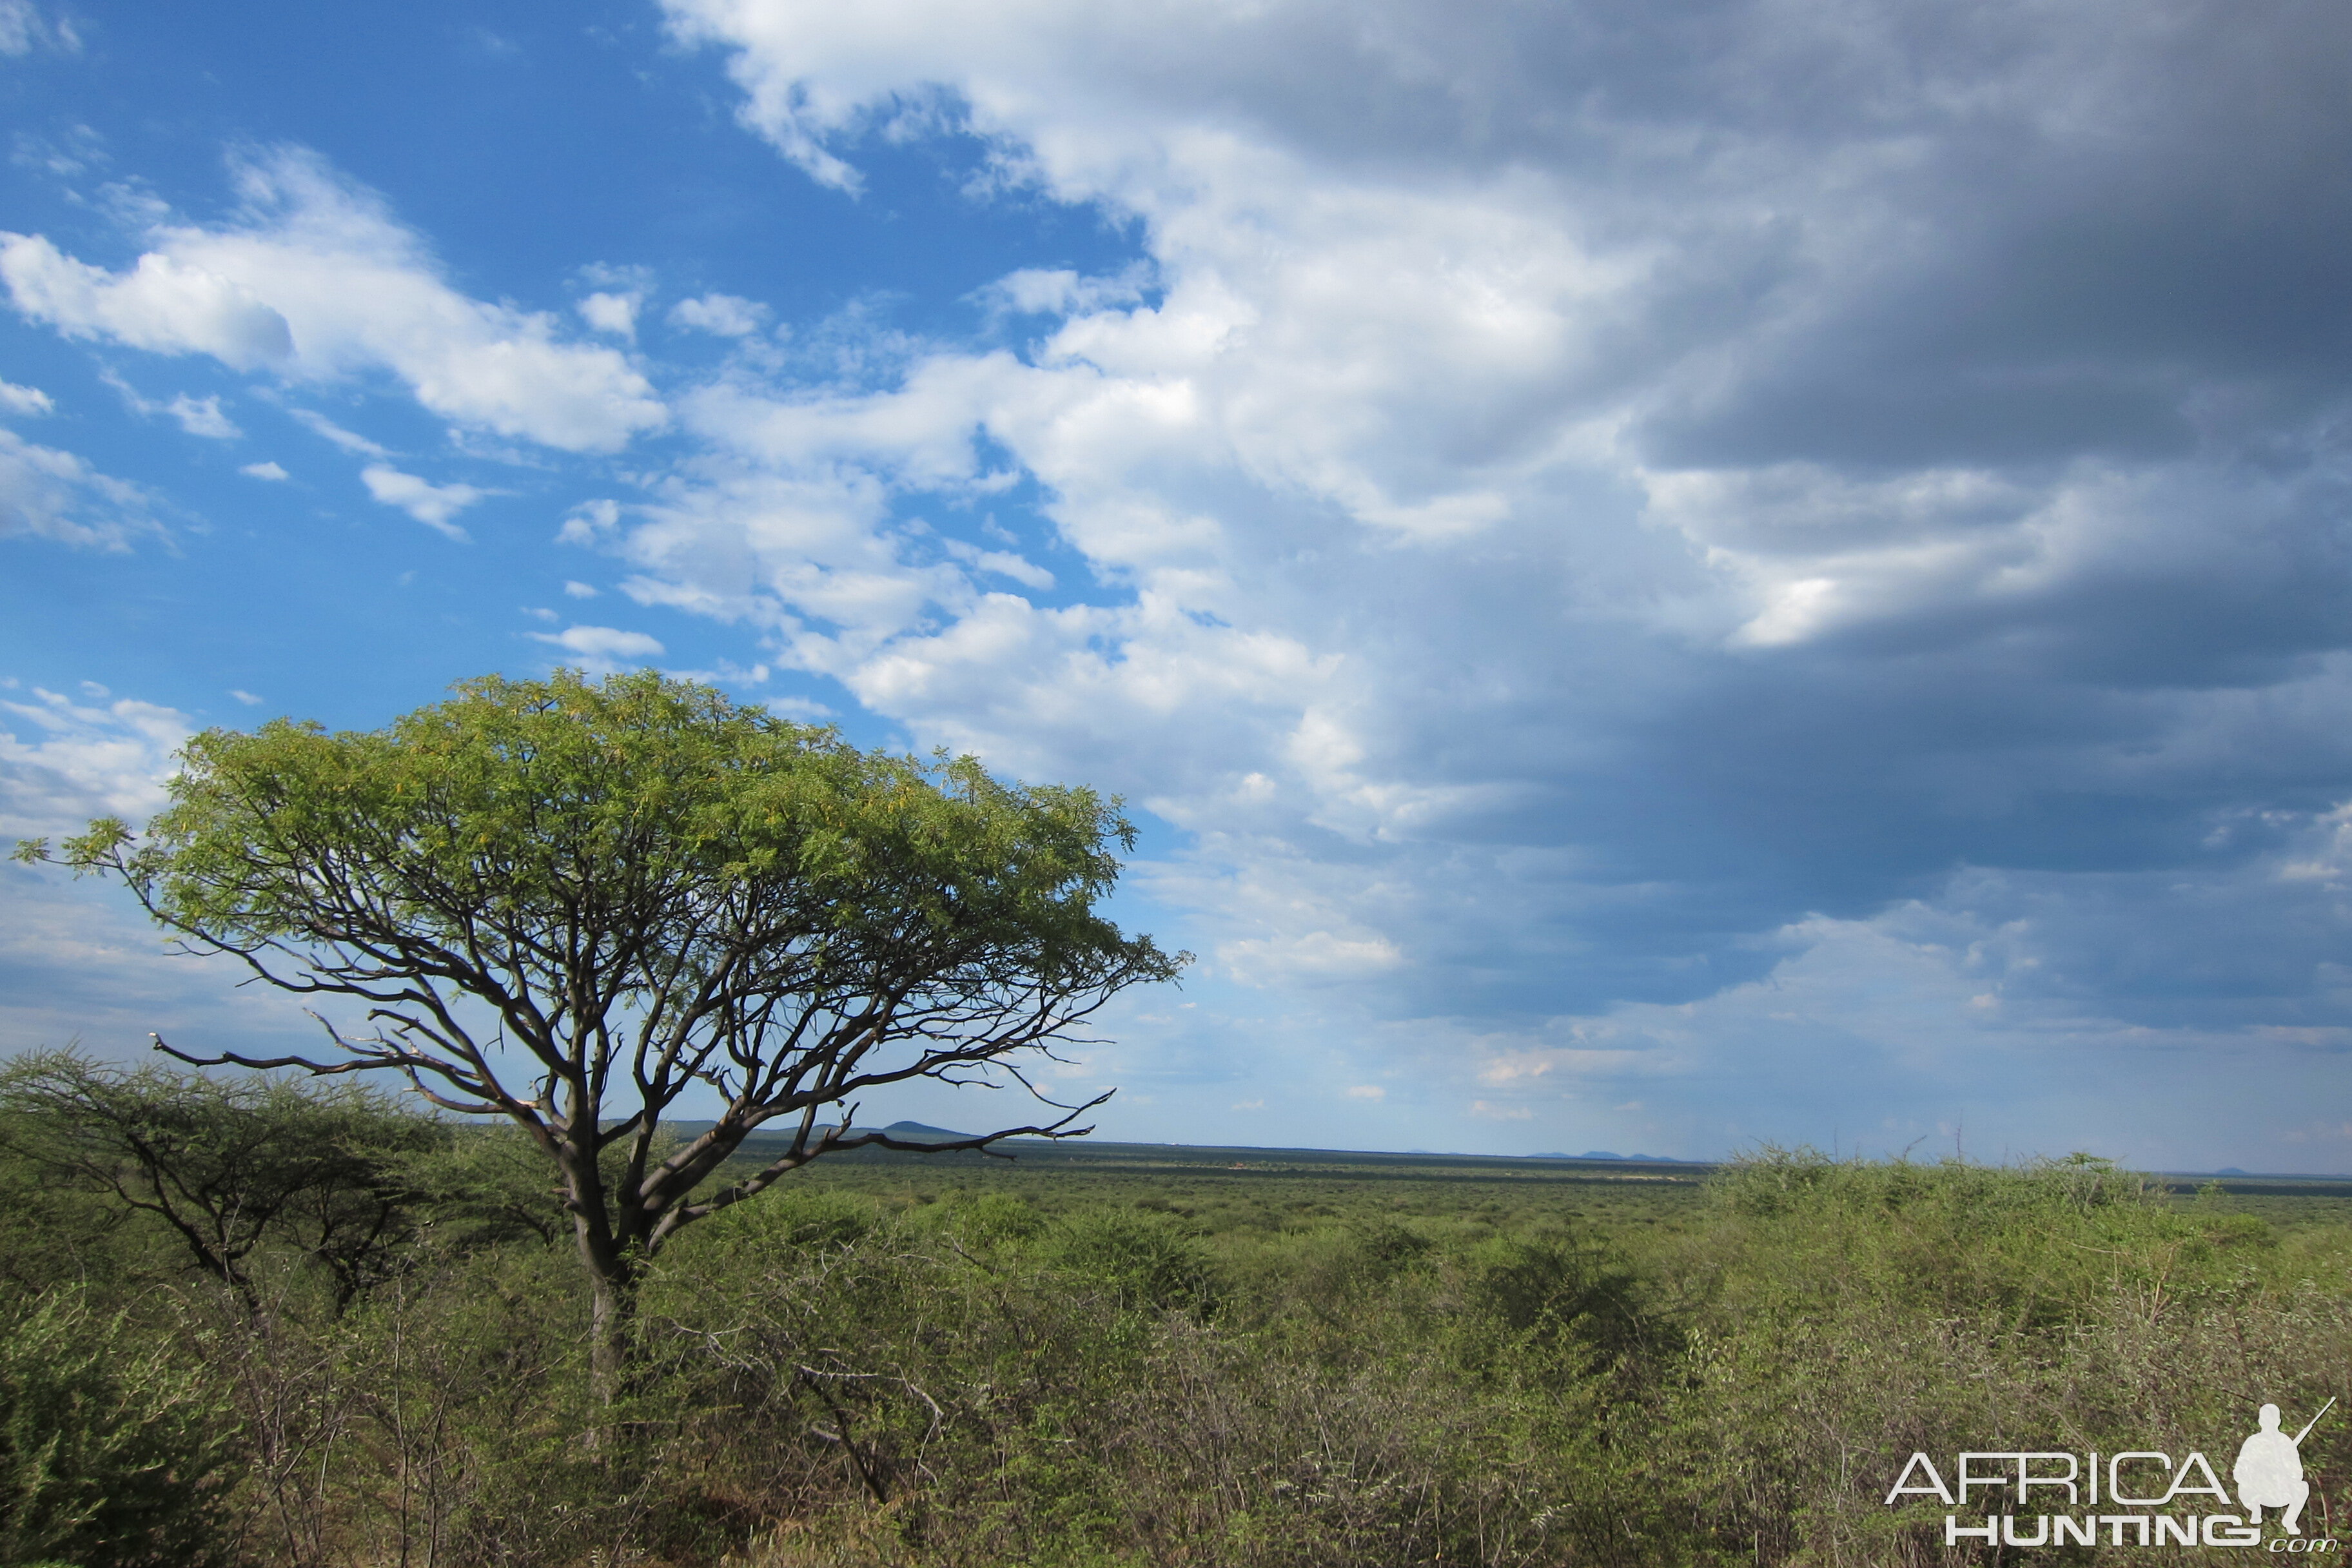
(570, 902)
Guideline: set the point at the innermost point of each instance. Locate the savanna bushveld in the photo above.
(564, 1249)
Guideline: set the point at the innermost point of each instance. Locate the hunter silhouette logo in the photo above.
(2269, 1471)
(2138, 1483)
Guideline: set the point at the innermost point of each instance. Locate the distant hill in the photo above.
(916, 1132)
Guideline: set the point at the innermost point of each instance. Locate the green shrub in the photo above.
(111, 1454)
(1148, 1263)
(991, 1219)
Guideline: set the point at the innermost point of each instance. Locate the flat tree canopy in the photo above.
(568, 902)
(227, 1164)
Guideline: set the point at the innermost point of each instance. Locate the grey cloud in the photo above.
(1965, 524)
(1995, 233)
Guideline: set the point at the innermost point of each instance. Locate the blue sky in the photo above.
(1657, 577)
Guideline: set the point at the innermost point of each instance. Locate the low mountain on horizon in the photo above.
(920, 1132)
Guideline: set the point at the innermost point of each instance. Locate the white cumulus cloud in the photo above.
(27, 400)
(722, 315)
(63, 762)
(202, 416)
(614, 313)
(163, 304)
(315, 281)
(602, 650)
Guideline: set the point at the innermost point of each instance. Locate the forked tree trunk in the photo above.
(612, 1270)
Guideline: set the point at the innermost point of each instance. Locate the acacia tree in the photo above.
(569, 903)
(226, 1166)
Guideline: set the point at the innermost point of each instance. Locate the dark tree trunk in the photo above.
(612, 1265)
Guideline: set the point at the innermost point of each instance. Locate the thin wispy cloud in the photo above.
(432, 505)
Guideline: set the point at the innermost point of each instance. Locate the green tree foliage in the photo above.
(339, 1175)
(567, 903)
(110, 1454)
(1841, 1315)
